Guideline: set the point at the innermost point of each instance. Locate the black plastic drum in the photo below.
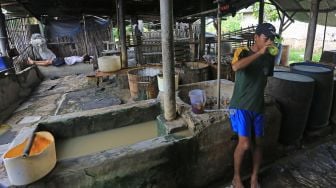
(323, 94)
(294, 93)
(333, 108)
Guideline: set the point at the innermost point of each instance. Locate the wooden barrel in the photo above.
(226, 72)
(194, 72)
(294, 93)
(143, 83)
(322, 99)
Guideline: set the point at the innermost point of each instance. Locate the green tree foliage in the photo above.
(232, 23)
(228, 25)
(270, 13)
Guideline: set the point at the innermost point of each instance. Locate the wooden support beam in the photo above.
(311, 30)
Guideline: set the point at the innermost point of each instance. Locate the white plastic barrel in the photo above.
(161, 84)
(109, 63)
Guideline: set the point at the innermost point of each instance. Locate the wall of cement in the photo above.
(65, 70)
(15, 88)
(91, 121)
(163, 162)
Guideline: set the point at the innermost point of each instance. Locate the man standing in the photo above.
(252, 66)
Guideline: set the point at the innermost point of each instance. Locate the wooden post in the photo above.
(261, 11)
(202, 38)
(85, 36)
(167, 39)
(202, 33)
(42, 26)
(325, 30)
(122, 33)
(219, 41)
(4, 45)
(311, 30)
(192, 43)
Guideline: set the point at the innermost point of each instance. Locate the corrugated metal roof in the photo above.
(151, 8)
(12, 8)
(301, 8)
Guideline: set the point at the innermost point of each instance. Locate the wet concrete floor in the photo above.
(311, 166)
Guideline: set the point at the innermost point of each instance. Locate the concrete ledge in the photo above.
(169, 127)
(65, 70)
(91, 121)
(18, 87)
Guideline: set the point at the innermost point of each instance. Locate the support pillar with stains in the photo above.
(167, 39)
(122, 33)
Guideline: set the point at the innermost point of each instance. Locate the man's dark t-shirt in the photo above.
(248, 93)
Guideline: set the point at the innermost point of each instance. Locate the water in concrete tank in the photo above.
(183, 134)
(104, 140)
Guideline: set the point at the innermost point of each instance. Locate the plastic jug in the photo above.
(197, 100)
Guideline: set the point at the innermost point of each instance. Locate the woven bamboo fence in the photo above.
(19, 37)
(69, 46)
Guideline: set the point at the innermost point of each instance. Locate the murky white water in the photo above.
(104, 140)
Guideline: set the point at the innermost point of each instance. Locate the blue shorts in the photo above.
(245, 123)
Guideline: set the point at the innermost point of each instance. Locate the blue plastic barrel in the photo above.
(3, 65)
(323, 94)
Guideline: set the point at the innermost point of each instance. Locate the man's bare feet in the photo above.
(237, 183)
(254, 182)
(30, 61)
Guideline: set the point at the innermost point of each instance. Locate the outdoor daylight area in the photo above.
(294, 36)
(168, 93)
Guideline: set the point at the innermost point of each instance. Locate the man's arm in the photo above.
(244, 62)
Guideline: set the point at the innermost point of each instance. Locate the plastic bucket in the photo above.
(197, 100)
(2, 63)
(41, 160)
(161, 84)
(109, 63)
